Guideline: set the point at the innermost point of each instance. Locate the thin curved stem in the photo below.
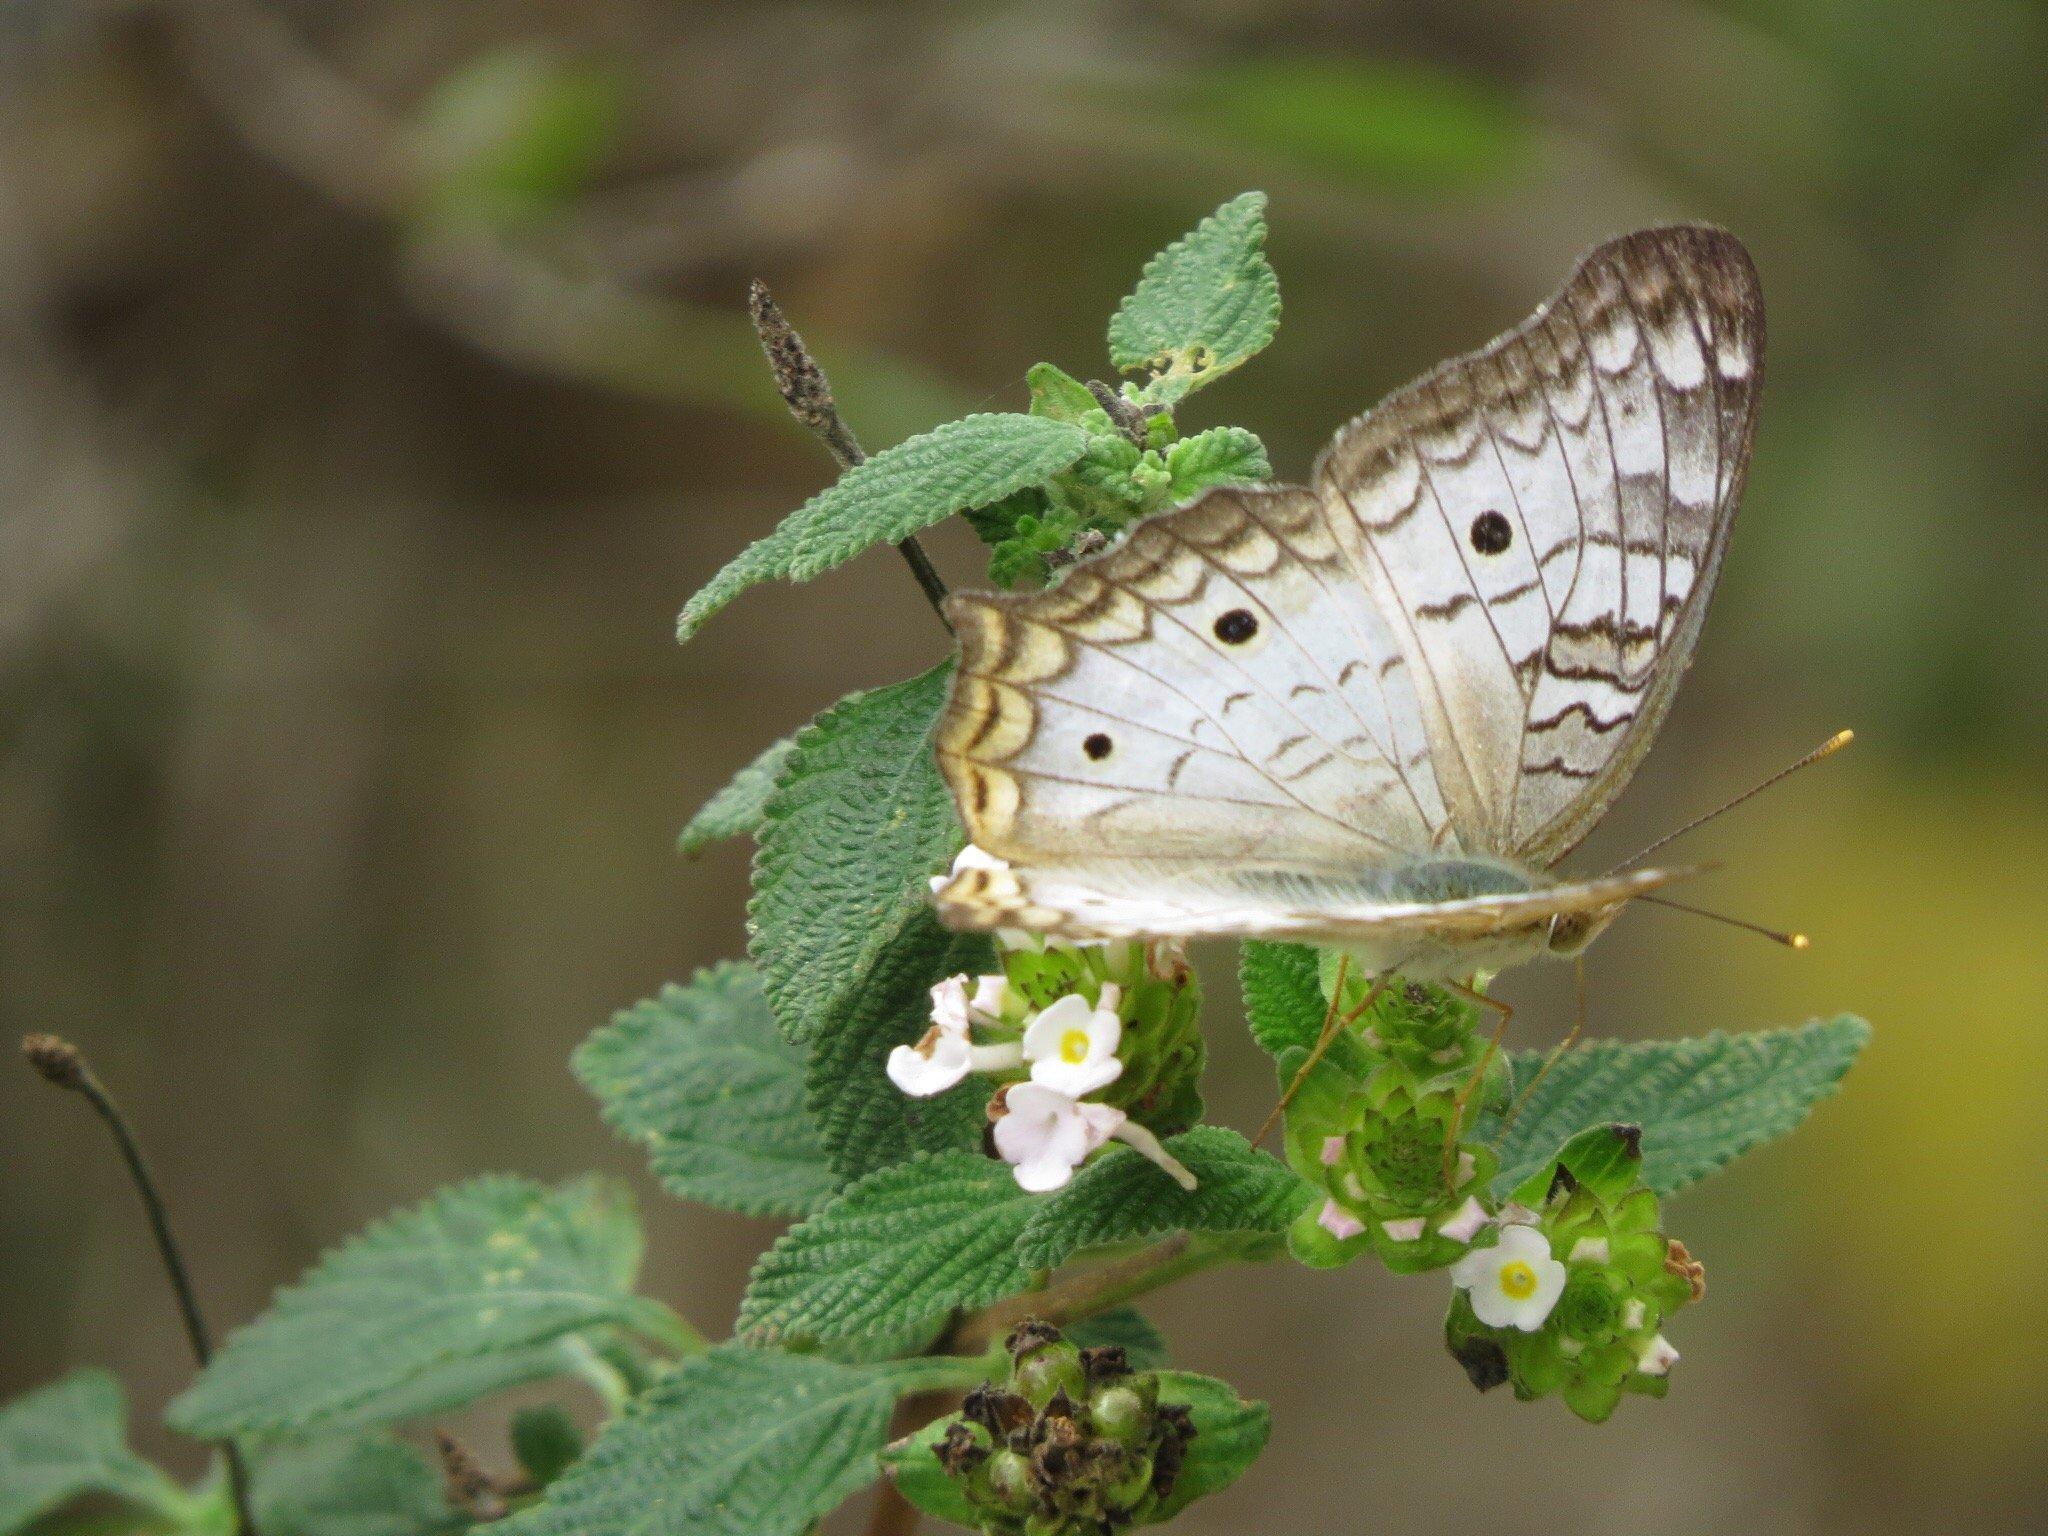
(808, 394)
(64, 1066)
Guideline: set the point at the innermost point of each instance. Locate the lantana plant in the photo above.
(988, 1149)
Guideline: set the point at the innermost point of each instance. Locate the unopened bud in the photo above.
(57, 1059)
(1049, 1372)
(1120, 1414)
(1009, 1481)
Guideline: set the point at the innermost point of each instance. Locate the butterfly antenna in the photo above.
(1826, 749)
(1789, 940)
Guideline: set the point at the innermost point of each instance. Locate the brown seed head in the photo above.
(58, 1060)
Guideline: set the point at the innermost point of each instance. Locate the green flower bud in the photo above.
(1590, 1307)
(1007, 1477)
(1405, 1157)
(1132, 1487)
(1044, 1365)
(1121, 1415)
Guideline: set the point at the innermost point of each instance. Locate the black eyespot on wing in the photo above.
(1236, 626)
(1491, 534)
(1096, 746)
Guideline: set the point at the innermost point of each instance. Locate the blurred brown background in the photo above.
(375, 384)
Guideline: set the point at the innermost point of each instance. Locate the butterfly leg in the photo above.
(1457, 1124)
(1332, 1023)
(1570, 1040)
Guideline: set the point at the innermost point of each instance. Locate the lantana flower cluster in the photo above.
(1573, 1294)
(1087, 1044)
(1075, 1443)
(1562, 1286)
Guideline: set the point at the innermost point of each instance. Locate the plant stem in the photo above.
(1097, 1290)
(602, 1376)
(944, 1373)
(63, 1065)
(808, 394)
(663, 1325)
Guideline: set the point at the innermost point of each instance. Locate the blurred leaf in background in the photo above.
(514, 134)
(1406, 126)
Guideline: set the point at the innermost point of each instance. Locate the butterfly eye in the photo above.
(1491, 534)
(1236, 626)
(1096, 746)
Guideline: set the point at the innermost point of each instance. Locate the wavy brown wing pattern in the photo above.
(1541, 523)
(1219, 688)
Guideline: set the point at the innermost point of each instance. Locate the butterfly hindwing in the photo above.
(1217, 688)
(1421, 939)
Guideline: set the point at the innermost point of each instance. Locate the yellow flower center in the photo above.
(1074, 1046)
(1517, 1280)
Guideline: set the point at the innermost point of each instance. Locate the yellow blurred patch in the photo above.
(1920, 1216)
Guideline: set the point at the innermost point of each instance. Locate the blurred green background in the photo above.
(375, 384)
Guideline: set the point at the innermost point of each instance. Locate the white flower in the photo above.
(1339, 1223)
(1463, 1224)
(1149, 1146)
(933, 1065)
(1045, 1134)
(949, 1005)
(991, 995)
(1072, 1046)
(1633, 1314)
(947, 1053)
(1408, 1229)
(1333, 1151)
(1589, 1250)
(1513, 1284)
(1657, 1357)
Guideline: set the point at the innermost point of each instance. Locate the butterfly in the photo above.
(1375, 711)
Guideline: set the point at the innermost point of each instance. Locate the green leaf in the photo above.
(349, 1487)
(897, 1249)
(1605, 1160)
(701, 1080)
(479, 1271)
(1701, 1102)
(1127, 1328)
(1102, 483)
(1121, 1197)
(1229, 1434)
(1391, 122)
(1058, 396)
(901, 490)
(859, 821)
(513, 134)
(545, 1440)
(738, 1442)
(1283, 994)
(70, 1439)
(1205, 304)
(1219, 456)
(455, 1384)
(863, 1119)
(913, 1466)
(736, 810)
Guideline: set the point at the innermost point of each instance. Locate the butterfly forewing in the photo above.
(1542, 521)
